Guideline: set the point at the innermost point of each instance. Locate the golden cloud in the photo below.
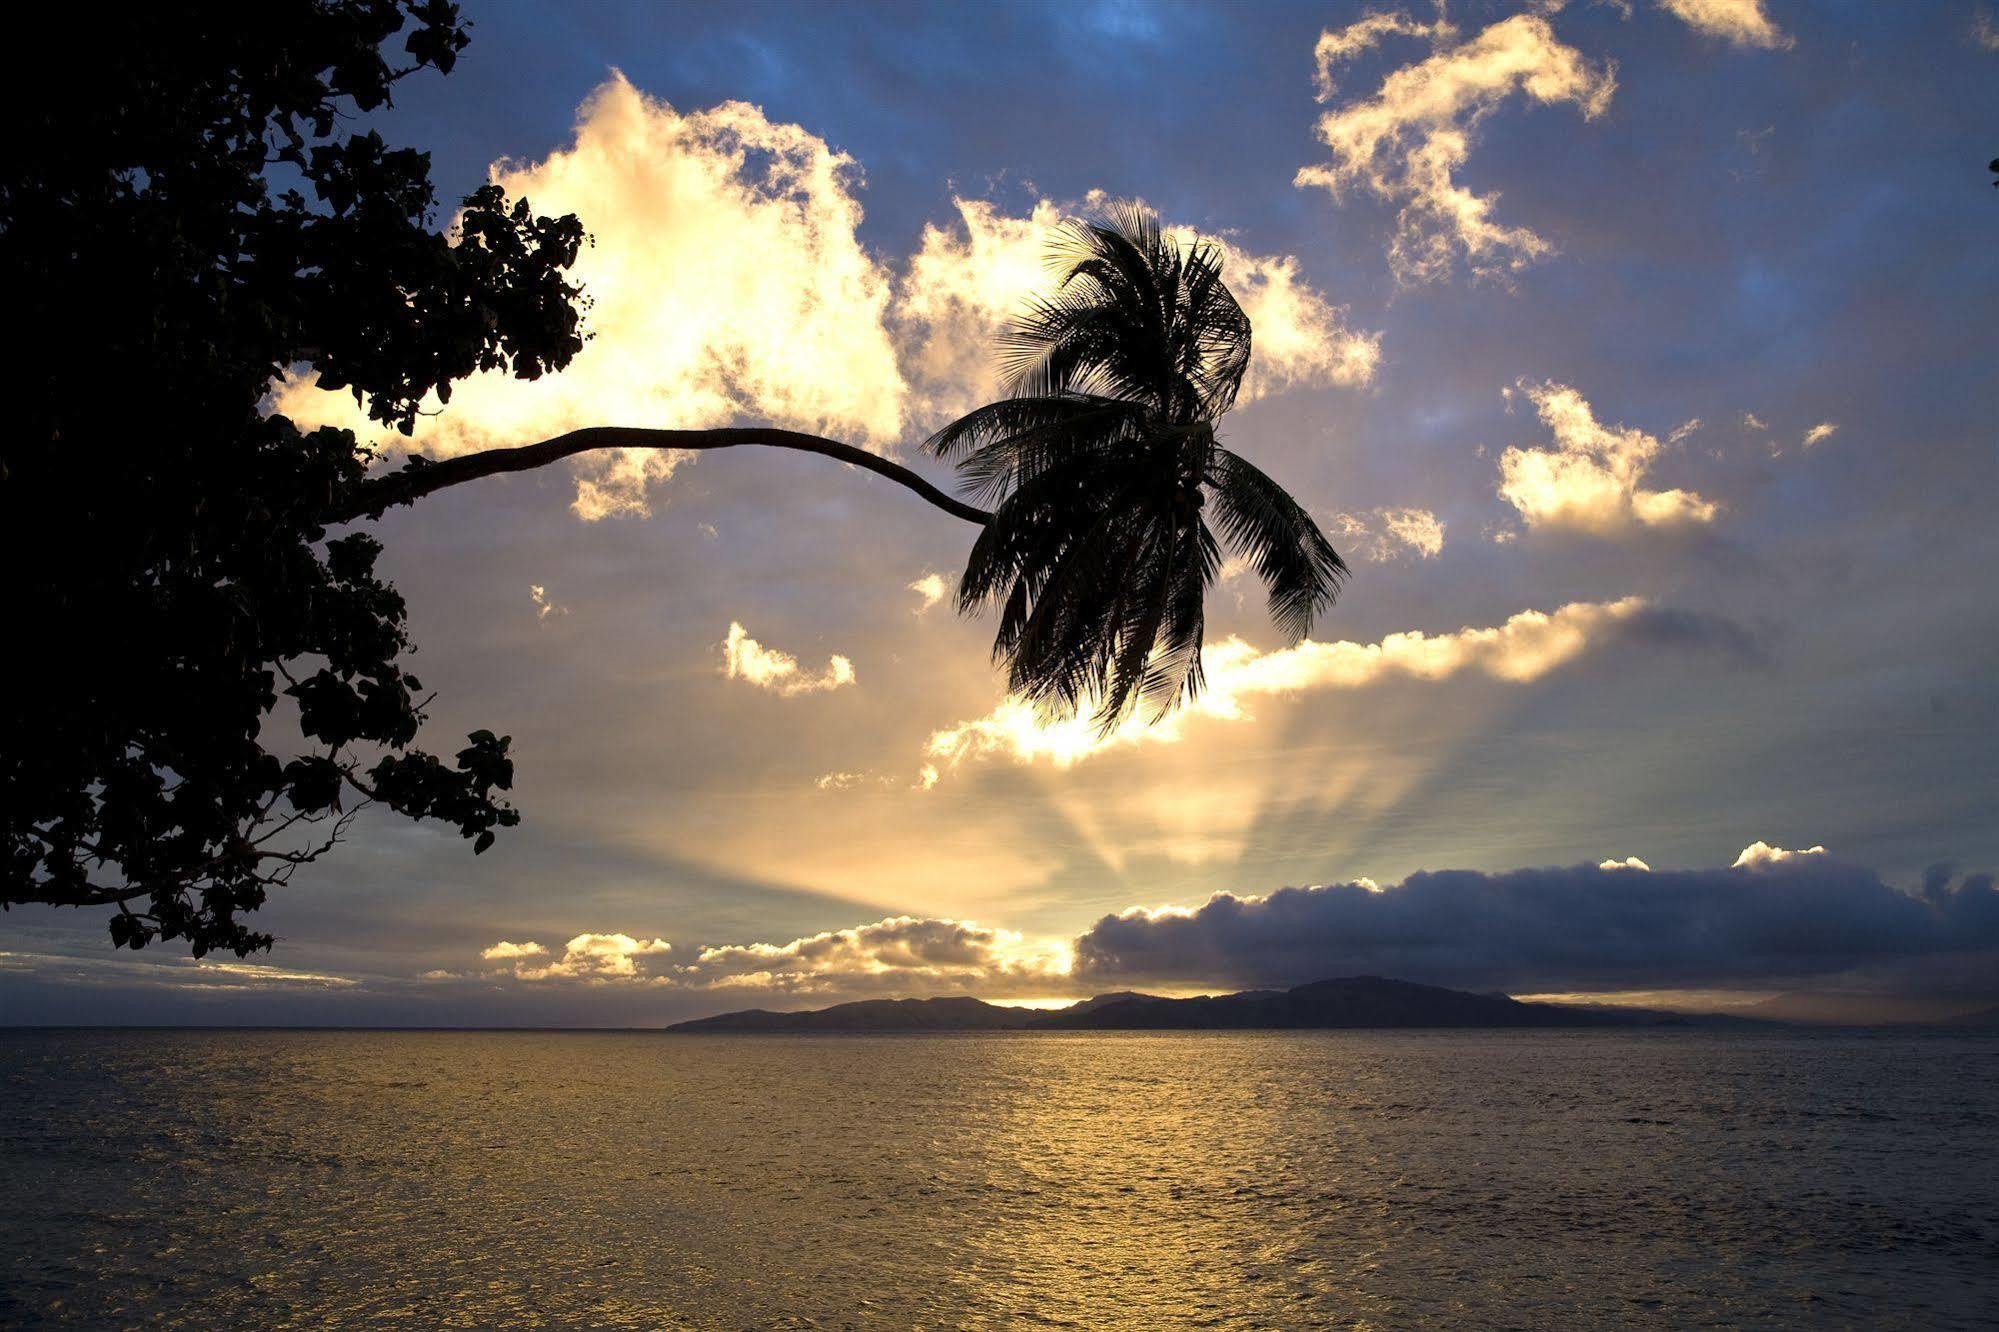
(1390, 533)
(1758, 854)
(1407, 142)
(1590, 481)
(1741, 22)
(586, 957)
(743, 658)
(726, 279)
(929, 589)
(892, 954)
(1524, 648)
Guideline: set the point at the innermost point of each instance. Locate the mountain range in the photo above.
(1351, 1002)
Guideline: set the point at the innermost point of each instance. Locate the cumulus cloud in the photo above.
(726, 279)
(1591, 480)
(895, 955)
(1628, 863)
(1524, 648)
(1740, 22)
(598, 957)
(1819, 433)
(969, 277)
(1386, 534)
(929, 590)
(1758, 854)
(743, 658)
(1406, 143)
(1580, 928)
(505, 951)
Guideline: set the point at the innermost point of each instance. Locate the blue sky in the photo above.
(1766, 219)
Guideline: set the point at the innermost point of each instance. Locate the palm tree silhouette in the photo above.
(1101, 464)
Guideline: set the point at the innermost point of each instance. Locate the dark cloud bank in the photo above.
(1578, 928)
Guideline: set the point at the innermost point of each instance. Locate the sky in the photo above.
(1639, 358)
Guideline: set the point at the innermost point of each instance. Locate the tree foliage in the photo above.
(1106, 467)
(201, 216)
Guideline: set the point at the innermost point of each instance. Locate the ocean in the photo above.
(1535, 1179)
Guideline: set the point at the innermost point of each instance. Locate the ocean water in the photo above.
(1093, 1180)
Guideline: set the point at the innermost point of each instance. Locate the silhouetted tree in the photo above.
(1104, 461)
(202, 220)
(178, 225)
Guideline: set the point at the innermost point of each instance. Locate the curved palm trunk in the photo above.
(414, 482)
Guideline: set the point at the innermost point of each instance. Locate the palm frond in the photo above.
(1263, 524)
(1101, 464)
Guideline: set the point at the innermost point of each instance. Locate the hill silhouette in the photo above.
(954, 1014)
(1352, 1002)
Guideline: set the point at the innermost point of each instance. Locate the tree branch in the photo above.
(414, 482)
(87, 895)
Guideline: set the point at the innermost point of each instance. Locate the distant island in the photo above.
(1354, 1002)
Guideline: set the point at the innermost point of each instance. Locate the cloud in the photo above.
(1590, 480)
(1336, 48)
(503, 951)
(1584, 927)
(1984, 32)
(543, 607)
(1758, 854)
(930, 590)
(185, 974)
(847, 781)
(726, 280)
(1526, 647)
(969, 277)
(743, 658)
(897, 954)
(1387, 534)
(1819, 433)
(1770, 920)
(1407, 142)
(1740, 22)
(599, 957)
(892, 954)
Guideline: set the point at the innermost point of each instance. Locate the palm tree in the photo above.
(1102, 462)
